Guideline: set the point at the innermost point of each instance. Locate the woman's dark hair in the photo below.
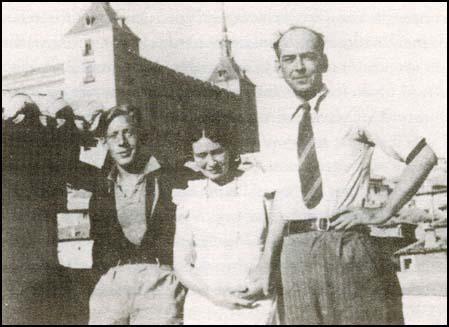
(221, 129)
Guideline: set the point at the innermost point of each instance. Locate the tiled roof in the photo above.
(57, 69)
(393, 223)
(171, 73)
(413, 216)
(104, 15)
(440, 223)
(419, 248)
(233, 71)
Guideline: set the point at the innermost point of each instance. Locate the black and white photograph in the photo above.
(224, 163)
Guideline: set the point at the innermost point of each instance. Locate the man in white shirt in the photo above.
(329, 264)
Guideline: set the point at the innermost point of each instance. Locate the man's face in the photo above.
(121, 140)
(211, 158)
(302, 62)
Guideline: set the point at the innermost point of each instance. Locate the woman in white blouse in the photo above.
(220, 234)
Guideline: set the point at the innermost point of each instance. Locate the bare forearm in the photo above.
(191, 280)
(183, 252)
(410, 181)
(274, 240)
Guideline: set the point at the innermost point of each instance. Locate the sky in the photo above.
(389, 55)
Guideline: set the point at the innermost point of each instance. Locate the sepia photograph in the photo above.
(224, 163)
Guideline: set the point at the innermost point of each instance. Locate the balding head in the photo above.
(300, 32)
(301, 60)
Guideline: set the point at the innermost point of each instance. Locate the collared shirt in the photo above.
(345, 136)
(131, 206)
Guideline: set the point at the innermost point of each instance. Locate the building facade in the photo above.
(103, 66)
(378, 192)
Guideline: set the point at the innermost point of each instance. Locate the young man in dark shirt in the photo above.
(133, 224)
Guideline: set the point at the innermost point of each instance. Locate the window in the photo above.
(90, 20)
(222, 73)
(407, 263)
(88, 51)
(89, 73)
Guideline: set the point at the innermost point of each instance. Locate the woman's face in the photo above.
(211, 158)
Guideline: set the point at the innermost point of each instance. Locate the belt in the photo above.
(308, 225)
(138, 260)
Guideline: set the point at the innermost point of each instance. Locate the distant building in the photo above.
(437, 178)
(228, 75)
(432, 196)
(378, 192)
(431, 201)
(395, 230)
(440, 228)
(423, 278)
(103, 65)
(428, 255)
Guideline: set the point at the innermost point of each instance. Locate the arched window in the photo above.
(90, 20)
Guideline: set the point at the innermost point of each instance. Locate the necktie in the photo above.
(309, 169)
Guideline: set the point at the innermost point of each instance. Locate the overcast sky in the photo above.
(390, 55)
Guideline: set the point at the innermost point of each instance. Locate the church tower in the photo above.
(95, 48)
(228, 75)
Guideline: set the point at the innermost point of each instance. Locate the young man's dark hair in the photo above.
(133, 113)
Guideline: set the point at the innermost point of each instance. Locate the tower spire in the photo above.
(225, 27)
(225, 43)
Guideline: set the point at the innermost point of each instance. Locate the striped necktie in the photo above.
(309, 169)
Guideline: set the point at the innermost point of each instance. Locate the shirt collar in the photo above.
(314, 102)
(151, 166)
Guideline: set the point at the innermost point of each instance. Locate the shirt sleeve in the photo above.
(393, 135)
(282, 207)
(180, 199)
(183, 228)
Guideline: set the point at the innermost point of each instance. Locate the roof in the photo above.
(413, 215)
(57, 68)
(104, 16)
(440, 223)
(170, 73)
(420, 248)
(433, 192)
(233, 71)
(394, 223)
(377, 178)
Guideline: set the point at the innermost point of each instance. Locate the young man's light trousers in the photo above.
(137, 294)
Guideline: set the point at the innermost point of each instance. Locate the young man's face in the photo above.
(301, 62)
(211, 158)
(121, 140)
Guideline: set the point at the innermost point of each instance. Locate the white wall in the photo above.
(78, 93)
